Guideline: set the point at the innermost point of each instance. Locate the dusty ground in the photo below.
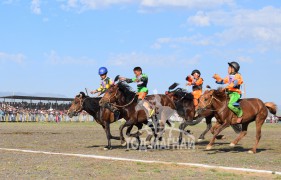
(89, 138)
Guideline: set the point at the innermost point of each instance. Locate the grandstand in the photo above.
(35, 102)
(33, 108)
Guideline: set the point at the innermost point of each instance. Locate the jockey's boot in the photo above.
(113, 109)
(150, 110)
(116, 115)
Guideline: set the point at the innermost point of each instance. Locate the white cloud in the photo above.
(198, 4)
(54, 58)
(173, 41)
(93, 4)
(35, 7)
(260, 29)
(189, 4)
(134, 59)
(8, 1)
(263, 25)
(17, 58)
(200, 19)
(245, 59)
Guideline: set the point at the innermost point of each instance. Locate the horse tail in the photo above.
(272, 107)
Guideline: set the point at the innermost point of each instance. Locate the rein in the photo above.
(81, 105)
(211, 101)
(181, 98)
(119, 106)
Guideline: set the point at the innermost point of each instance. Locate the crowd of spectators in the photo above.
(35, 112)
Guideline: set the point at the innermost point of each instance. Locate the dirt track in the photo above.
(89, 138)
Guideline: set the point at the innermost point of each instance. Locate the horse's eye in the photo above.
(205, 99)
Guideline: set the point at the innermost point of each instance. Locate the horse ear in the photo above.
(116, 78)
(82, 94)
(173, 86)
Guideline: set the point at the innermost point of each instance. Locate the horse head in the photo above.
(209, 97)
(110, 96)
(76, 105)
(118, 93)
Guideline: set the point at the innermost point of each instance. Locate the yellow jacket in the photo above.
(105, 84)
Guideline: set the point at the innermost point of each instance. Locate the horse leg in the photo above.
(217, 132)
(213, 130)
(121, 128)
(149, 136)
(137, 134)
(108, 135)
(242, 134)
(209, 126)
(259, 123)
(183, 125)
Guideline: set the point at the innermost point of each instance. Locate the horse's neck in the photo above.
(91, 106)
(219, 105)
(124, 100)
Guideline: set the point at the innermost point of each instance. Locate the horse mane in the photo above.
(180, 93)
(126, 90)
(220, 93)
(82, 94)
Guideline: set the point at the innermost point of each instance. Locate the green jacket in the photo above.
(142, 84)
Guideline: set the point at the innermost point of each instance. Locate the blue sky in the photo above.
(57, 46)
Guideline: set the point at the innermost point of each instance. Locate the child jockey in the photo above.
(141, 80)
(196, 82)
(105, 84)
(234, 81)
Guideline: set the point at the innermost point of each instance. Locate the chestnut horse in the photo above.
(185, 107)
(125, 100)
(254, 110)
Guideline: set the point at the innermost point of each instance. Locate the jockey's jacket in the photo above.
(141, 81)
(196, 83)
(105, 84)
(234, 82)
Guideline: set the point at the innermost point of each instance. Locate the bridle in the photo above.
(115, 96)
(76, 111)
(111, 97)
(211, 101)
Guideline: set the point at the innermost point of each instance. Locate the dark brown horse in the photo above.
(125, 100)
(254, 110)
(185, 107)
(102, 116)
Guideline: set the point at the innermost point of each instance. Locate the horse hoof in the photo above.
(251, 152)
(232, 145)
(124, 143)
(200, 140)
(149, 147)
(208, 147)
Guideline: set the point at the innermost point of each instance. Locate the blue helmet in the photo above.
(103, 70)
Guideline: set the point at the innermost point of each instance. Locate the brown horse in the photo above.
(125, 100)
(185, 107)
(102, 116)
(254, 110)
